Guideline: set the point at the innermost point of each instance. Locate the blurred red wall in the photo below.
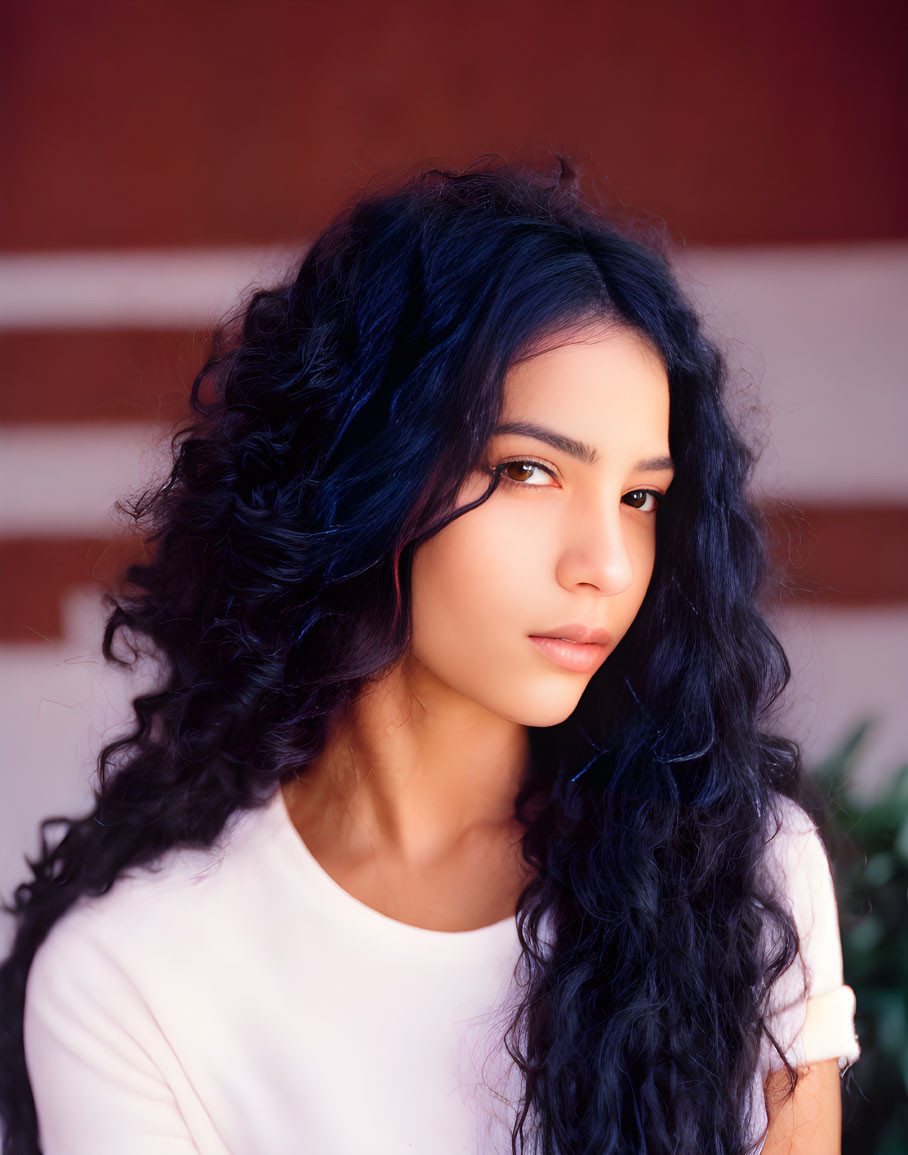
(220, 123)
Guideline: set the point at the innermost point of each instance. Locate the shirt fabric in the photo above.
(237, 1001)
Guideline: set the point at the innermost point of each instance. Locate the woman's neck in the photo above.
(412, 770)
(410, 807)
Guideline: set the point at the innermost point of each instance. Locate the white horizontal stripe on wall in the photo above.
(847, 665)
(144, 289)
(64, 480)
(816, 337)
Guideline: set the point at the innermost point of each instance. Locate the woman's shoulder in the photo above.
(123, 976)
(788, 818)
(183, 894)
(797, 867)
(794, 847)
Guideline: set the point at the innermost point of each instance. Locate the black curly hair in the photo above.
(277, 586)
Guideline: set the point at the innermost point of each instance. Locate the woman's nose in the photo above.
(595, 553)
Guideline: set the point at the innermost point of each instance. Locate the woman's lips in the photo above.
(581, 657)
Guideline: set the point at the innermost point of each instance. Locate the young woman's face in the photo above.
(565, 543)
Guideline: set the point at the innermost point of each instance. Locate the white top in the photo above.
(237, 1000)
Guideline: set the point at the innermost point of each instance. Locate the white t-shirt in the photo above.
(237, 1000)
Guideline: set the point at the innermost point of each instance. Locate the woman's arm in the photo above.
(811, 1009)
(809, 1121)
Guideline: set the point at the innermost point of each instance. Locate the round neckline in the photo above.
(356, 906)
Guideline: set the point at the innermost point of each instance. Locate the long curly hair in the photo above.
(333, 426)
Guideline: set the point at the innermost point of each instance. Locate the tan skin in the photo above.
(810, 1120)
(410, 806)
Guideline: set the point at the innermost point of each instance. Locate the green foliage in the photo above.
(868, 844)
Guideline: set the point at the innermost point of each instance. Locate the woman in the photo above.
(452, 825)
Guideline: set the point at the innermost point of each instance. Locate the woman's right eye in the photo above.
(521, 471)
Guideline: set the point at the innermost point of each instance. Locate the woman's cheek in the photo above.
(465, 578)
(477, 596)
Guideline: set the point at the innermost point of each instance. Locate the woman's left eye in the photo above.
(646, 500)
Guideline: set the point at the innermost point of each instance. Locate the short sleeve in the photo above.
(810, 1009)
(89, 1046)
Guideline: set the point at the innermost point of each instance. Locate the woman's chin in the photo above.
(545, 709)
(550, 718)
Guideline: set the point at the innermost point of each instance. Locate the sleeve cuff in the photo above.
(828, 1031)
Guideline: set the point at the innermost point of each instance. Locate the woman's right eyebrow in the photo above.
(579, 449)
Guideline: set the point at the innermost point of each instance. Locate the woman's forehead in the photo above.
(591, 364)
(591, 398)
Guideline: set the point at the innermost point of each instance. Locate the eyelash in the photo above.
(509, 481)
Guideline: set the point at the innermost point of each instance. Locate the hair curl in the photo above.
(334, 424)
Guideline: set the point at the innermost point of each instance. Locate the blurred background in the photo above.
(160, 159)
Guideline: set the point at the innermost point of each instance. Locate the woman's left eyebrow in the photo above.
(579, 449)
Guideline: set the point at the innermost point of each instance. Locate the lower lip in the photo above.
(582, 657)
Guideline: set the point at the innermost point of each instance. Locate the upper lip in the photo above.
(578, 633)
